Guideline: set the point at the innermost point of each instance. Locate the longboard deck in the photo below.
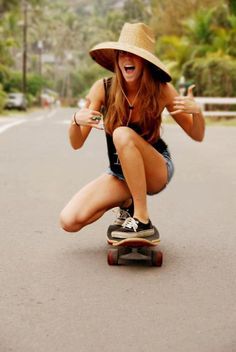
(135, 248)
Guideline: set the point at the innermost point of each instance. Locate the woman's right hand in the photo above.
(89, 118)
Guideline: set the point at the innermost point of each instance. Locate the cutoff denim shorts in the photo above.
(169, 165)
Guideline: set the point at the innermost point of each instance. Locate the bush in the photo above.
(14, 82)
(2, 98)
(214, 76)
(4, 74)
(84, 79)
(35, 83)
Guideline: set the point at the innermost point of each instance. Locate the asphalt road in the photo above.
(57, 292)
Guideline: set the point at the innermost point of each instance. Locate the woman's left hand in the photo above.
(186, 103)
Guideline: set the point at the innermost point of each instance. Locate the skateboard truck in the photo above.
(134, 249)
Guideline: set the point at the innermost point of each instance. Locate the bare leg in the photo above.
(92, 201)
(143, 167)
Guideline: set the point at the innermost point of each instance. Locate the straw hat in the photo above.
(135, 38)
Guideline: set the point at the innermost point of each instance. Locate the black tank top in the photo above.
(115, 165)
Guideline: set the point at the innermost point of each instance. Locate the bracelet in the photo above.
(75, 119)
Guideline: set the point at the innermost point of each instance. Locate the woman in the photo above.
(140, 163)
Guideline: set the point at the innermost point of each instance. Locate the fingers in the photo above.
(179, 104)
(185, 104)
(176, 112)
(95, 115)
(90, 115)
(95, 118)
(188, 106)
(190, 95)
(190, 90)
(96, 122)
(87, 117)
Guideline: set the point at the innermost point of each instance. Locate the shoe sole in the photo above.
(140, 234)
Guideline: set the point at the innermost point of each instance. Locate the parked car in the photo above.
(16, 101)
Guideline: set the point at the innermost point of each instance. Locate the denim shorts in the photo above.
(169, 164)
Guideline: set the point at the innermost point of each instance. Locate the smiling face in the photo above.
(131, 66)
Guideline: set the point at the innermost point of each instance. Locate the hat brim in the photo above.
(104, 55)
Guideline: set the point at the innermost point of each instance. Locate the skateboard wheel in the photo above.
(113, 257)
(156, 258)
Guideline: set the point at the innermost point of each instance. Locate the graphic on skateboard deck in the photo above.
(134, 249)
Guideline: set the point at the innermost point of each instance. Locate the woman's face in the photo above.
(131, 66)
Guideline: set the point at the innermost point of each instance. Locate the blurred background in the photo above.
(44, 45)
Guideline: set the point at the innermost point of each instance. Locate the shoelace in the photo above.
(130, 223)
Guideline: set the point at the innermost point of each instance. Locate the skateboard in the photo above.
(134, 249)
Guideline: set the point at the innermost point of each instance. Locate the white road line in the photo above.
(10, 125)
(39, 118)
(52, 113)
(47, 115)
(18, 122)
(64, 122)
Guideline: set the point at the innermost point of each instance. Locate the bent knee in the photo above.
(123, 136)
(68, 223)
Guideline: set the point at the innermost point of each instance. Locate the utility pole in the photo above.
(40, 50)
(24, 63)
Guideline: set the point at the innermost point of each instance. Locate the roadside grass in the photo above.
(17, 113)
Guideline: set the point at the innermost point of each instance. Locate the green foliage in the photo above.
(213, 76)
(167, 15)
(198, 27)
(14, 82)
(4, 74)
(3, 96)
(115, 21)
(32, 100)
(83, 79)
(205, 52)
(136, 11)
(175, 51)
(189, 34)
(6, 5)
(212, 30)
(232, 6)
(8, 37)
(35, 83)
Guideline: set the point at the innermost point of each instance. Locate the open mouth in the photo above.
(129, 68)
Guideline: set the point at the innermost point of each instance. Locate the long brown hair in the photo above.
(147, 104)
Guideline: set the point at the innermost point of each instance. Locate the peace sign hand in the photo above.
(186, 104)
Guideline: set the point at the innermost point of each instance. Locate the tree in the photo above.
(232, 6)
(213, 76)
(7, 5)
(205, 52)
(167, 15)
(136, 11)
